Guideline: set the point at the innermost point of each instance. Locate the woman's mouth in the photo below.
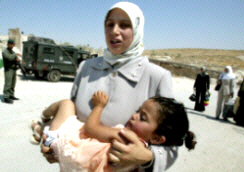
(115, 42)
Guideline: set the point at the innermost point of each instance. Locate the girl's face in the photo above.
(118, 31)
(144, 122)
(226, 70)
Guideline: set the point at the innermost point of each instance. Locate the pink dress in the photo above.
(77, 152)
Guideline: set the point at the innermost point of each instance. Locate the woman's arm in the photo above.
(93, 127)
(208, 82)
(232, 87)
(132, 153)
(164, 88)
(158, 159)
(240, 92)
(195, 83)
(77, 81)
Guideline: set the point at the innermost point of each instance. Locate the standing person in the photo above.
(123, 74)
(226, 91)
(201, 86)
(239, 116)
(10, 60)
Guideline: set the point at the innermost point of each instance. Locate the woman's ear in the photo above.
(157, 140)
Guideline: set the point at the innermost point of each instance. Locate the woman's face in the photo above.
(226, 70)
(118, 31)
(144, 121)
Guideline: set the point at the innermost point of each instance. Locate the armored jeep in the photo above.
(43, 58)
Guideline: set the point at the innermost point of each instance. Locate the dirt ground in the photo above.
(220, 146)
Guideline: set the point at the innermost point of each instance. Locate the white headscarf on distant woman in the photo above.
(229, 75)
(204, 73)
(136, 48)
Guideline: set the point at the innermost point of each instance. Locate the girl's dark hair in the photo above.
(173, 123)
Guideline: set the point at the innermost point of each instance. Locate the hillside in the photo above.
(210, 58)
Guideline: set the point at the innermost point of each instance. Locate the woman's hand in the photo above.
(47, 151)
(99, 98)
(132, 153)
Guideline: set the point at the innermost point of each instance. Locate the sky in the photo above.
(214, 24)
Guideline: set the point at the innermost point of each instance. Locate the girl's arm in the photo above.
(93, 127)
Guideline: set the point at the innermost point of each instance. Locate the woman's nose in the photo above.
(115, 29)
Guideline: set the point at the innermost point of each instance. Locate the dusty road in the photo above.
(220, 145)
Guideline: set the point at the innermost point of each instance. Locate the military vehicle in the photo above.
(43, 58)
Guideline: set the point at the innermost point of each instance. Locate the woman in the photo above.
(201, 86)
(123, 74)
(226, 91)
(239, 117)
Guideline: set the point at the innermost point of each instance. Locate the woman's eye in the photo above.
(124, 25)
(109, 24)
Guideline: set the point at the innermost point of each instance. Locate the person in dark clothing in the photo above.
(201, 86)
(10, 60)
(239, 117)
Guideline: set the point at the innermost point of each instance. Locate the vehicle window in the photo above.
(70, 53)
(85, 56)
(26, 50)
(31, 50)
(48, 50)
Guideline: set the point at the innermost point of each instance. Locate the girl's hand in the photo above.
(133, 153)
(99, 98)
(47, 152)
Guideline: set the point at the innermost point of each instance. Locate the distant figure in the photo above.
(10, 60)
(226, 91)
(201, 86)
(239, 117)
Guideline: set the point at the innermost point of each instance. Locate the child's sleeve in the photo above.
(164, 157)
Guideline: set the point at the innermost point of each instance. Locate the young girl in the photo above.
(84, 147)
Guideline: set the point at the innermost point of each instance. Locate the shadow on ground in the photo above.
(192, 111)
(33, 78)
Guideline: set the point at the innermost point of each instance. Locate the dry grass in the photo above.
(211, 58)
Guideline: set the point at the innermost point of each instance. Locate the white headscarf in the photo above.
(136, 48)
(229, 75)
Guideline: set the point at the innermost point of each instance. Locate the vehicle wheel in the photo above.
(54, 76)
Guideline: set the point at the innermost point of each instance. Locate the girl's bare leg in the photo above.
(51, 110)
(62, 110)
